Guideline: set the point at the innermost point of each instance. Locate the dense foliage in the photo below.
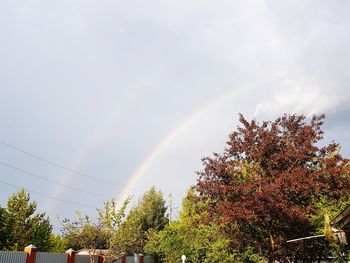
(21, 226)
(191, 236)
(3, 230)
(269, 181)
(112, 232)
(147, 216)
(59, 244)
(197, 237)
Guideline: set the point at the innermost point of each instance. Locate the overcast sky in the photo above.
(117, 88)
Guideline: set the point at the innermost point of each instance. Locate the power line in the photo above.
(63, 167)
(49, 196)
(57, 164)
(52, 181)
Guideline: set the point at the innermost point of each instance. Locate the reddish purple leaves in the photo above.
(270, 176)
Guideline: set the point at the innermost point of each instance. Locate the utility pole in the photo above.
(170, 207)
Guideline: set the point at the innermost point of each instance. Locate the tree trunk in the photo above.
(271, 258)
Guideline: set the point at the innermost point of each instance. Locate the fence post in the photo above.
(101, 259)
(70, 255)
(124, 259)
(31, 253)
(141, 258)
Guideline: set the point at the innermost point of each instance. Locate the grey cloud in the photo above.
(127, 73)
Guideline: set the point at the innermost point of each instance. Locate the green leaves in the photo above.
(23, 226)
(59, 244)
(147, 216)
(84, 233)
(193, 236)
(109, 231)
(3, 229)
(90, 234)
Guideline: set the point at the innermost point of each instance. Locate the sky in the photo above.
(107, 98)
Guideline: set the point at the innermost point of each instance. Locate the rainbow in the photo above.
(142, 168)
(97, 139)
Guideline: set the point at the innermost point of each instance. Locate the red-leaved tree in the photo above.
(269, 179)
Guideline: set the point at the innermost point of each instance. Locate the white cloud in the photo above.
(303, 97)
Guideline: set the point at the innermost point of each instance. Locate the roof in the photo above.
(343, 218)
(97, 252)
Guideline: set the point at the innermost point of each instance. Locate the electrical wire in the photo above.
(48, 196)
(63, 167)
(52, 181)
(57, 164)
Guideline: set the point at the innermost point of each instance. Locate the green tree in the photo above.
(59, 243)
(24, 226)
(148, 215)
(89, 234)
(3, 229)
(195, 236)
(85, 233)
(111, 217)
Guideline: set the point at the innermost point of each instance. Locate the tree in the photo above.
(24, 226)
(148, 215)
(85, 233)
(196, 237)
(59, 244)
(3, 230)
(90, 235)
(267, 183)
(111, 218)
